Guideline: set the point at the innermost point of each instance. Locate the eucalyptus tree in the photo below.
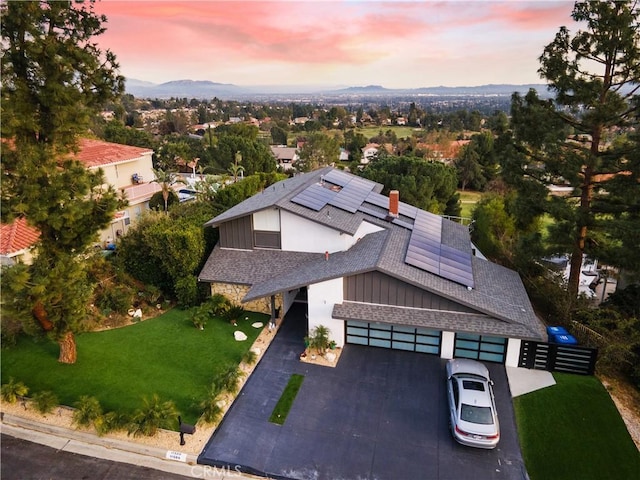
(571, 139)
(54, 80)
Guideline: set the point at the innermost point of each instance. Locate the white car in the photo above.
(472, 409)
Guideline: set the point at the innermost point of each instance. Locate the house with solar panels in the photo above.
(374, 270)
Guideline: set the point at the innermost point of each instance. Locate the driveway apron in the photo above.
(379, 414)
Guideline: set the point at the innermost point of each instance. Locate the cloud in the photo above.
(320, 39)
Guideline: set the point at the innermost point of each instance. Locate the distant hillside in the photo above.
(183, 88)
(204, 89)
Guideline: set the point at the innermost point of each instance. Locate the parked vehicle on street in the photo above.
(472, 411)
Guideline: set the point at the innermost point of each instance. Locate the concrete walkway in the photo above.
(524, 380)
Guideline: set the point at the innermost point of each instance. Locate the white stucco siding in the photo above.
(364, 229)
(321, 298)
(447, 345)
(513, 352)
(120, 174)
(302, 235)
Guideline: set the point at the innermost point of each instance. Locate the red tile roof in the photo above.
(96, 153)
(17, 236)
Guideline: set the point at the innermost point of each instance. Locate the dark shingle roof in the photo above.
(432, 319)
(269, 197)
(498, 292)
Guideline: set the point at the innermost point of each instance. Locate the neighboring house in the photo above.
(285, 156)
(17, 241)
(130, 171)
(369, 152)
(445, 152)
(374, 270)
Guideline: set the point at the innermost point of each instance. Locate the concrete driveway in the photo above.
(380, 414)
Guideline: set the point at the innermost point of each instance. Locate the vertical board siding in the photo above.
(378, 288)
(237, 234)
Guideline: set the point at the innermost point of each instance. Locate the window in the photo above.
(473, 414)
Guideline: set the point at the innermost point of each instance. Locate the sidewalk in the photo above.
(73, 441)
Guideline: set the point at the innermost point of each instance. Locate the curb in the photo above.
(90, 438)
(92, 445)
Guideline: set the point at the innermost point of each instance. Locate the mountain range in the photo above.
(205, 89)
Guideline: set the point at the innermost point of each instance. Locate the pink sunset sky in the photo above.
(395, 44)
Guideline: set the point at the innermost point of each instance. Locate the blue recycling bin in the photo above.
(551, 331)
(565, 339)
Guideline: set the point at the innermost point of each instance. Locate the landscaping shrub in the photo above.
(156, 202)
(45, 401)
(619, 348)
(153, 415)
(88, 410)
(218, 304)
(249, 357)
(229, 380)
(116, 299)
(233, 313)
(186, 289)
(10, 329)
(13, 390)
(211, 411)
(111, 422)
(319, 339)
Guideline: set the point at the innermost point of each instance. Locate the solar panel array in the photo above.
(314, 197)
(427, 252)
(348, 194)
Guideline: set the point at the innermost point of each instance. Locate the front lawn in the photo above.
(573, 430)
(166, 356)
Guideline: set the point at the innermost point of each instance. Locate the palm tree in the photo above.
(236, 169)
(167, 179)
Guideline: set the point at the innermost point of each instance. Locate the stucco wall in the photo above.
(302, 235)
(119, 175)
(321, 298)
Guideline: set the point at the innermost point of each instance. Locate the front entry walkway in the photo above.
(379, 414)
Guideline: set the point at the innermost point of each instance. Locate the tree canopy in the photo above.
(55, 79)
(569, 140)
(430, 186)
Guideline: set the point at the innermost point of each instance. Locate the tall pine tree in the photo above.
(55, 79)
(578, 138)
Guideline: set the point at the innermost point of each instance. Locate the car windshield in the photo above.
(473, 414)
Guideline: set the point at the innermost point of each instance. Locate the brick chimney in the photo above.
(394, 202)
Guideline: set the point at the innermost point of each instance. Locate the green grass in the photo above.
(281, 410)
(468, 199)
(574, 431)
(166, 355)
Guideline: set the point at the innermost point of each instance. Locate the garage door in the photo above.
(396, 337)
(480, 347)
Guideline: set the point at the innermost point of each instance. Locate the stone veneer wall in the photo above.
(236, 293)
